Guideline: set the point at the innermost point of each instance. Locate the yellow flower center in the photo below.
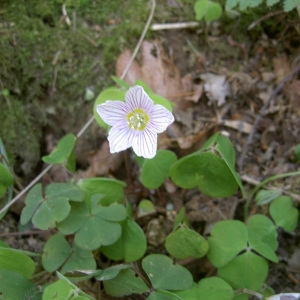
(137, 119)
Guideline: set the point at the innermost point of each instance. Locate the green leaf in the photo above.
(289, 5)
(55, 252)
(6, 179)
(184, 243)
(272, 2)
(296, 153)
(61, 289)
(180, 218)
(247, 270)
(75, 220)
(163, 295)
(284, 213)
(266, 196)
(15, 261)
(131, 246)
(111, 190)
(112, 272)
(211, 169)
(211, 288)
(228, 238)
(125, 283)
(123, 84)
(96, 232)
(230, 4)
(108, 94)
(63, 153)
(13, 286)
(145, 207)
(164, 274)
(79, 260)
(207, 9)
(54, 207)
(262, 236)
(160, 166)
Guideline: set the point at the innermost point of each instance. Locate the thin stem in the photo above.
(249, 292)
(264, 182)
(33, 182)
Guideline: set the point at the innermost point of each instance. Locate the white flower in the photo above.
(135, 122)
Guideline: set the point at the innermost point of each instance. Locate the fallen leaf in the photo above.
(102, 162)
(160, 73)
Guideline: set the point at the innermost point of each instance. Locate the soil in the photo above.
(257, 65)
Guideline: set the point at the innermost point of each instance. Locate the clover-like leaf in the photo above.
(262, 236)
(131, 246)
(184, 242)
(54, 207)
(207, 9)
(166, 275)
(211, 288)
(284, 213)
(95, 228)
(228, 238)
(111, 190)
(125, 283)
(160, 166)
(211, 169)
(247, 270)
(58, 252)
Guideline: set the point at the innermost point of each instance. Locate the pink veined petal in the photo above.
(112, 111)
(120, 138)
(145, 144)
(136, 97)
(160, 118)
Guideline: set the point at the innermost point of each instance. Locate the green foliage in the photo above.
(231, 247)
(178, 277)
(64, 153)
(54, 207)
(211, 169)
(284, 213)
(209, 289)
(131, 246)
(209, 10)
(155, 170)
(288, 5)
(184, 243)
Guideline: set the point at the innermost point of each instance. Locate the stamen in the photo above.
(137, 119)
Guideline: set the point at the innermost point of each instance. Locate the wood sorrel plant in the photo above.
(92, 217)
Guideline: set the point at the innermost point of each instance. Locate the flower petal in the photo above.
(112, 111)
(136, 97)
(160, 118)
(145, 144)
(120, 138)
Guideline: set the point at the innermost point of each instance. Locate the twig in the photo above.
(181, 25)
(261, 113)
(34, 181)
(140, 40)
(90, 121)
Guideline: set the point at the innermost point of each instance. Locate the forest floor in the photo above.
(222, 77)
